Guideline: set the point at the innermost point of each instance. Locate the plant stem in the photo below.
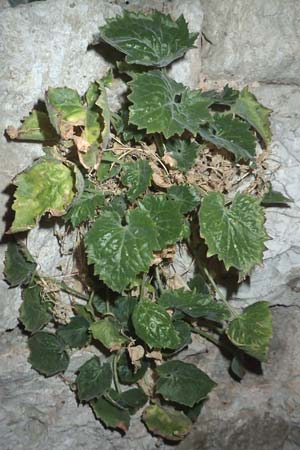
(142, 287)
(207, 336)
(158, 279)
(65, 288)
(115, 360)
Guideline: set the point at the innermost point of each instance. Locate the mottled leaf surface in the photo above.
(34, 311)
(19, 265)
(76, 333)
(184, 152)
(151, 40)
(232, 134)
(119, 252)
(235, 234)
(194, 304)
(93, 379)
(248, 108)
(35, 127)
(161, 105)
(47, 186)
(252, 331)
(185, 196)
(154, 326)
(47, 353)
(137, 176)
(166, 423)
(85, 206)
(183, 383)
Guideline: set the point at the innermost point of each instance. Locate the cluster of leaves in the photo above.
(128, 310)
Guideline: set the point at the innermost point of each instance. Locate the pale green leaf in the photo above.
(185, 196)
(19, 265)
(34, 311)
(235, 234)
(154, 326)
(252, 331)
(194, 304)
(231, 134)
(102, 103)
(93, 379)
(76, 333)
(47, 186)
(137, 176)
(47, 353)
(248, 108)
(168, 221)
(184, 152)
(183, 383)
(108, 332)
(166, 423)
(161, 105)
(151, 40)
(35, 127)
(119, 252)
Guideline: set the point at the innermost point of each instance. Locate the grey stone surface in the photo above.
(254, 41)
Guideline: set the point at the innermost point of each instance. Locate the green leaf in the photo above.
(85, 206)
(236, 234)
(194, 304)
(102, 103)
(124, 129)
(108, 332)
(227, 96)
(168, 221)
(184, 332)
(47, 186)
(83, 311)
(248, 108)
(111, 415)
(119, 252)
(93, 379)
(183, 383)
(75, 333)
(35, 127)
(252, 331)
(122, 309)
(232, 134)
(154, 326)
(237, 367)
(184, 152)
(19, 265)
(127, 373)
(47, 353)
(34, 312)
(151, 40)
(185, 196)
(109, 167)
(274, 198)
(137, 176)
(133, 399)
(161, 105)
(169, 424)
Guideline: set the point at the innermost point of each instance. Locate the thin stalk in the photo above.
(67, 289)
(115, 360)
(158, 279)
(207, 336)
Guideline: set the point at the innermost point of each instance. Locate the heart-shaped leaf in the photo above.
(47, 353)
(93, 379)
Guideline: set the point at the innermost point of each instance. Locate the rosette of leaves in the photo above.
(129, 224)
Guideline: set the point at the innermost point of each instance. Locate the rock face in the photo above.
(45, 43)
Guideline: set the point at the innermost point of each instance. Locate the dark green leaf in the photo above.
(133, 399)
(137, 176)
(161, 105)
(111, 415)
(194, 304)
(154, 326)
(126, 130)
(35, 127)
(227, 96)
(120, 252)
(118, 204)
(46, 186)
(274, 198)
(183, 383)
(169, 424)
(184, 332)
(47, 353)
(93, 379)
(34, 312)
(198, 284)
(232, 134)
(85, 207)
(18, 265)
(252, 331)
(108, 332)
(237, 234)
(184, 152)
(185, 196)
(108, 169)
(237, 367)
(75, 333)
(123, 308)
(151, 40)
(127, 373)
(248, 108)
(193, 413)
(83, 311)
(168, 221)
